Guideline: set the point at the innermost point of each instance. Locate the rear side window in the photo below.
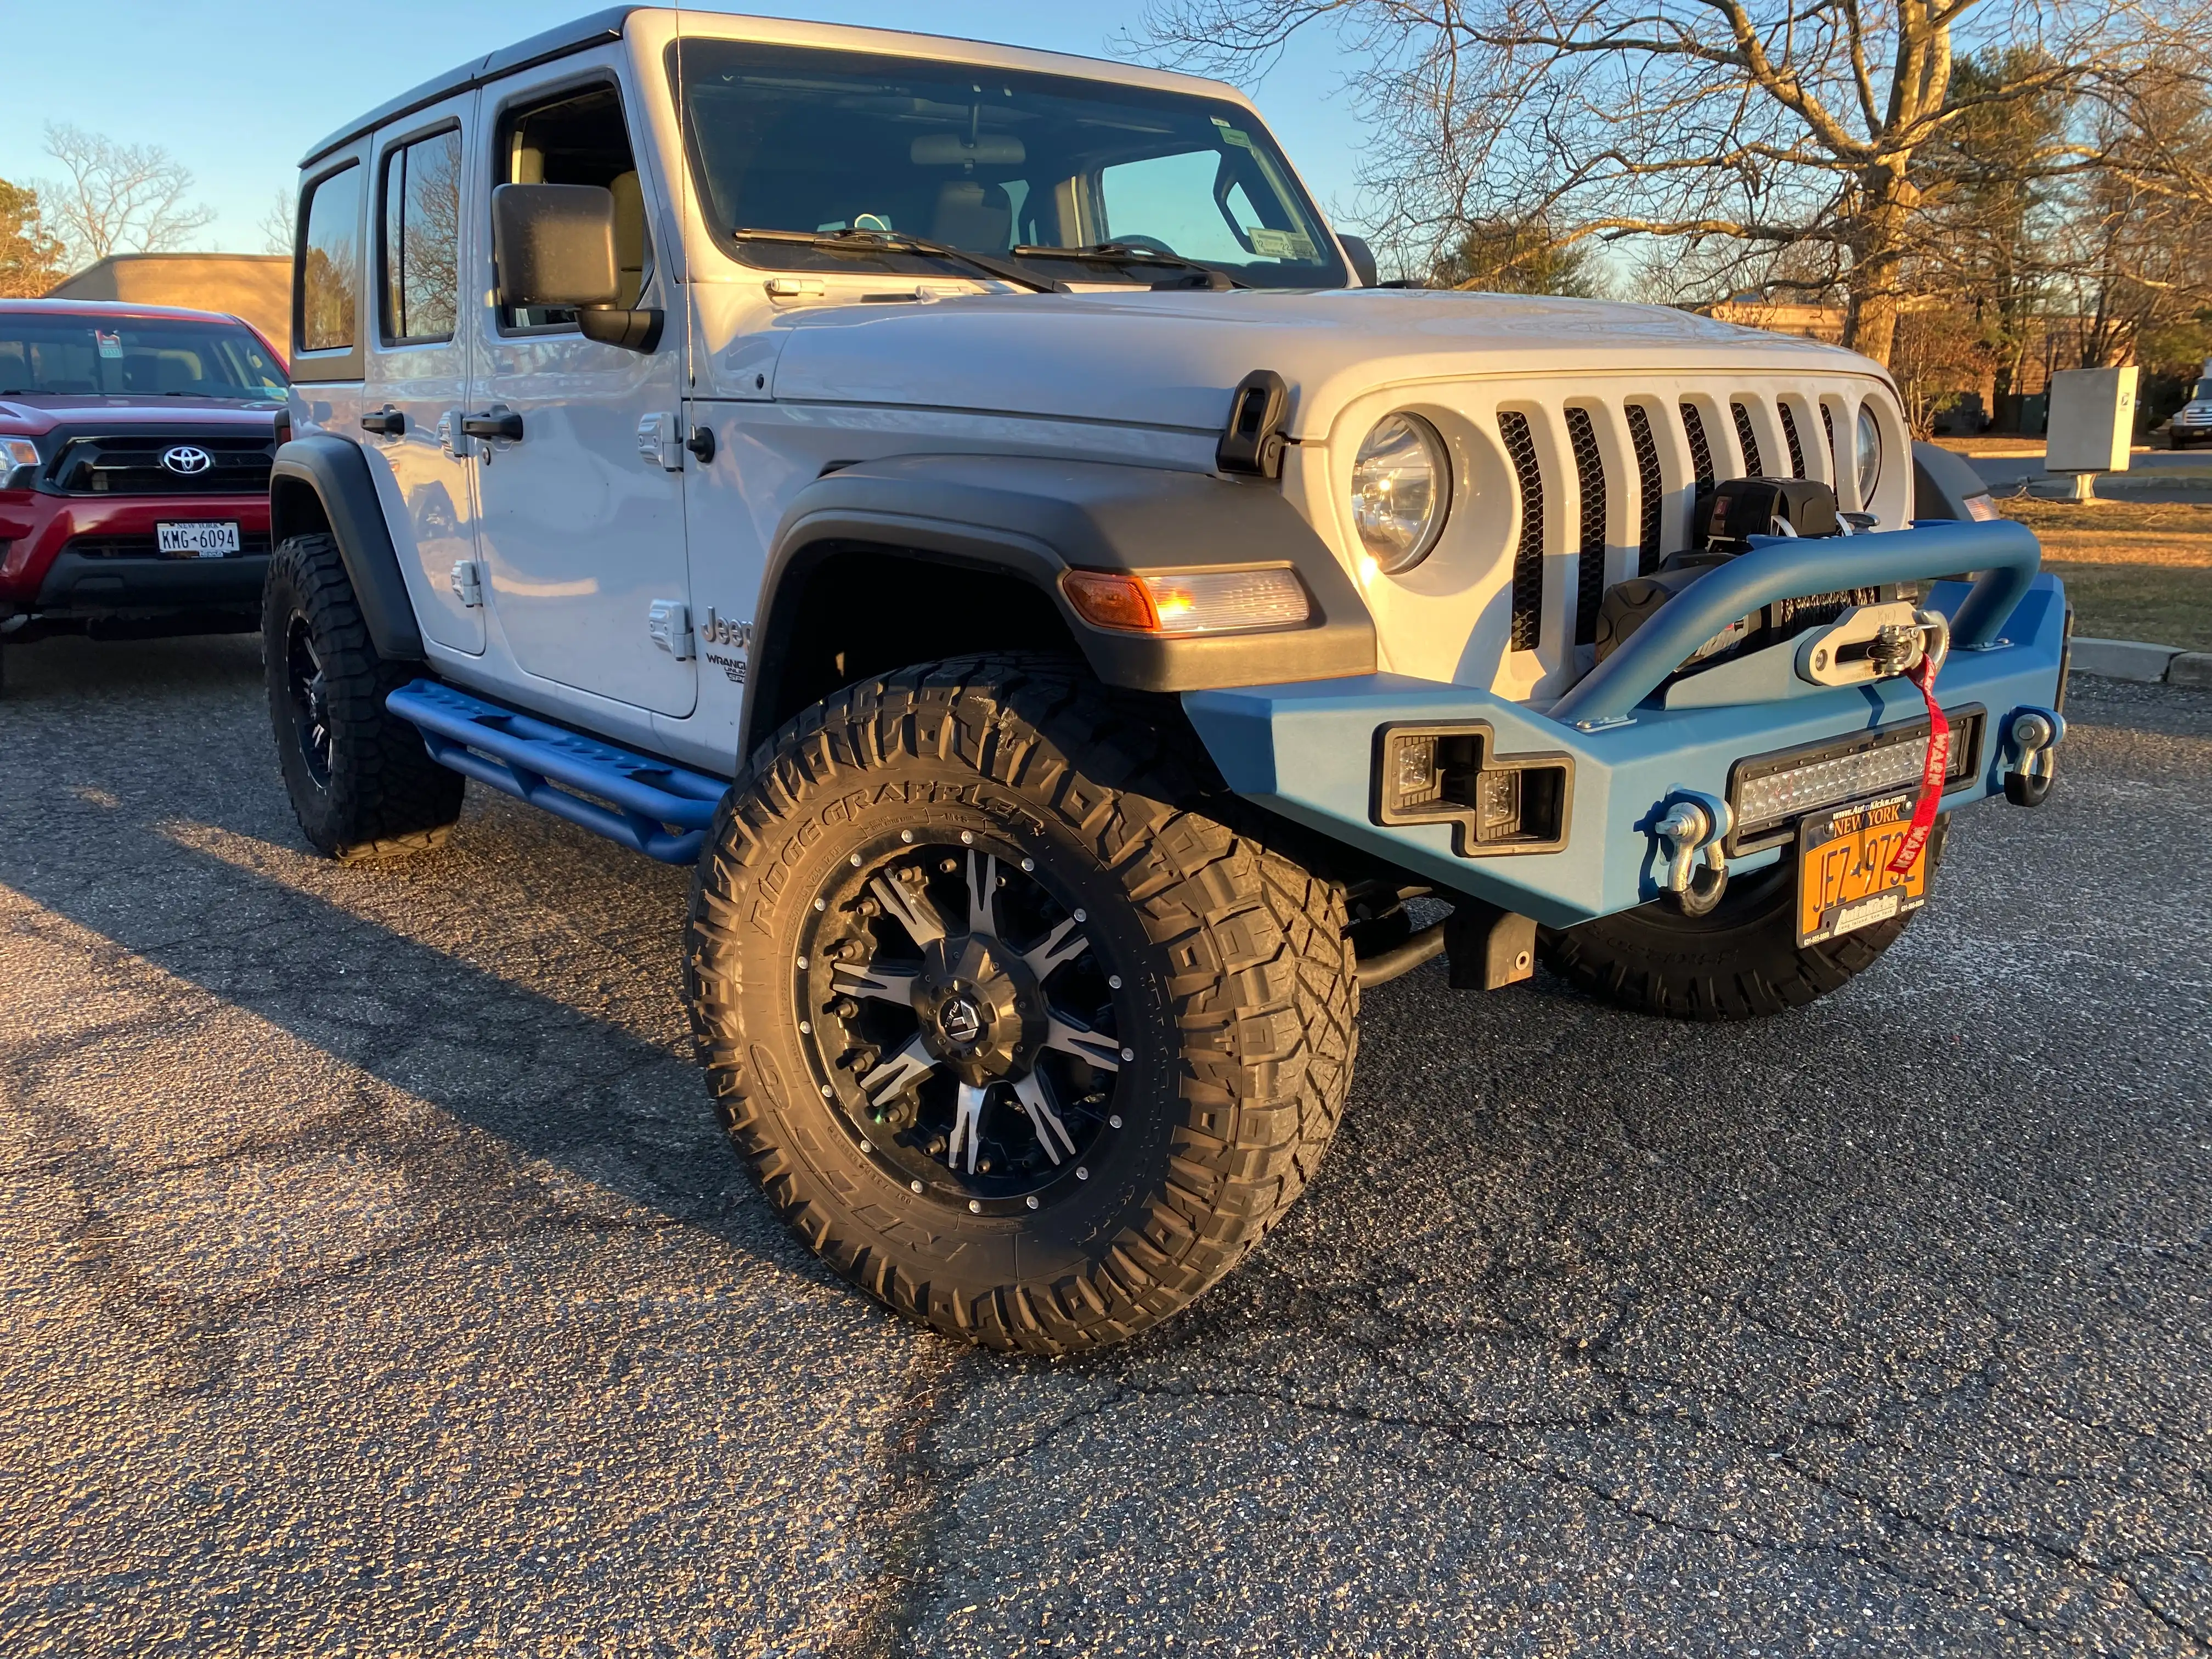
(421, 240)
(330, 265)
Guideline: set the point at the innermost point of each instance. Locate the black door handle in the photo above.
(497, 422)
(386, 422)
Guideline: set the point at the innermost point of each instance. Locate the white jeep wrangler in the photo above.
(970, 502)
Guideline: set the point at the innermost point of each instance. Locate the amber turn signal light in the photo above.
(1190, 601)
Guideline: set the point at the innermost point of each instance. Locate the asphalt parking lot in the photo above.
(374, 1279)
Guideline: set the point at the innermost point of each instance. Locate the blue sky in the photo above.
(237, 92)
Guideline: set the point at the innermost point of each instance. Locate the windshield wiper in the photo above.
(1128, 253)
(891, 241)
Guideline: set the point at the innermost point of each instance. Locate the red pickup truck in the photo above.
(135, 448)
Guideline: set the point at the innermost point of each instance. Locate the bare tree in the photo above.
(117, 198)
(278, 225)
(1764, 126)
(30, 258)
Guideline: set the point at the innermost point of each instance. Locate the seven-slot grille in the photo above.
(1602, 477)
(129, 464)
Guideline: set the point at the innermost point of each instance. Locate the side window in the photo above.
(330, 265)
(579, 139)
(420, 240)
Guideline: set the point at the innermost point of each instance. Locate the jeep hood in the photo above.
(1171, 359)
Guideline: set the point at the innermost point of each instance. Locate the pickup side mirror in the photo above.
(1362, 258)
(554, 244)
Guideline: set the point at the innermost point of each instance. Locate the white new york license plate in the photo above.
(196, 541)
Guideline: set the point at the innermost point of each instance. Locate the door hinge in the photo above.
(660, 440)
(668, 621)
(451, 439)
(467, 583)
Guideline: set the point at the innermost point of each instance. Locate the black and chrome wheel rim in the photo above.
(959, 1012)
(311, 706)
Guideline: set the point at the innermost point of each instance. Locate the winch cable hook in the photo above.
(1937, 767)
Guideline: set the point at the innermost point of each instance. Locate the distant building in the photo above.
(255, 286)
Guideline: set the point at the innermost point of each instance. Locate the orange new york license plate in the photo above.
(1843, 880)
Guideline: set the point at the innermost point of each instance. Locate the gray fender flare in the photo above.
(1033, 519)
(333, 472)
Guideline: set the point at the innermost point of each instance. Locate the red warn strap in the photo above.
(1931, 775)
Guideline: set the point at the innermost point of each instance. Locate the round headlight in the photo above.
(1401, 491)
(1869, 455)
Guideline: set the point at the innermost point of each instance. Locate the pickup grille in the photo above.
(129, 464)
(250, 543)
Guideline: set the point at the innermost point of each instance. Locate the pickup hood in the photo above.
(28, 417)
(1171, 359)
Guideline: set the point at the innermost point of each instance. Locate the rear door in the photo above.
(418, 368)
(582, 519)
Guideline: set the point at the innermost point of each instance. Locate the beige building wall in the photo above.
(255, 286)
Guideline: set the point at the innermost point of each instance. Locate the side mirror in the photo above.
(554, 244)
(1362, 258)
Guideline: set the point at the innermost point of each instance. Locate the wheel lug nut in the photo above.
(975, 1207)
(1082, 1174)
(906, 835)
(1113, 981)
(856, 860)
(967, 838)
(1114, 1122)
(821, 904)
(1031, 1201)
(1028, 864)
(916, 1185)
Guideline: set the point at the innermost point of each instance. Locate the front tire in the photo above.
(363, 786)
(1742, 961)
(1013, 1035)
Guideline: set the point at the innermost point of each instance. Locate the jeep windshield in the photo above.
(68, 354)
(1043, 170)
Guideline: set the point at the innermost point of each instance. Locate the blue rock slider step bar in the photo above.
(650, 807)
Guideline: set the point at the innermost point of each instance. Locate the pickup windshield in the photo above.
(997, 162)
(63, 353)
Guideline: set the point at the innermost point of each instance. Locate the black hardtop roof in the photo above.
(596, 29)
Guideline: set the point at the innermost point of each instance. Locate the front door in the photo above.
(581, 525)
(417, 370)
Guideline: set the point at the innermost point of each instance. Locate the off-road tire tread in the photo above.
(388, 798)
(1268, 973)
(1771, 975)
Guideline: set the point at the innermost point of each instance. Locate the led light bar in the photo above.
(1820, 783)
(1190, 601)
(1769, 792)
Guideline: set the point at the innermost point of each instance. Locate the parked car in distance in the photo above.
(2192, 422)
(135, 448)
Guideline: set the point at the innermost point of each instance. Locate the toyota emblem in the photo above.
(187, 460)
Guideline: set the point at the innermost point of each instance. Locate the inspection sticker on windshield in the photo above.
(196, 541)
(111, 345)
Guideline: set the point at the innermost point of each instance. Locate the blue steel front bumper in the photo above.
(1306, 749)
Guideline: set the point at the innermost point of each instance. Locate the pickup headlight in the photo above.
(1869, 455)
(17, 454)
(1401, 491)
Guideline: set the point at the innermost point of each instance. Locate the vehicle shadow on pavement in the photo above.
(1875, 1318)
(523, 981)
